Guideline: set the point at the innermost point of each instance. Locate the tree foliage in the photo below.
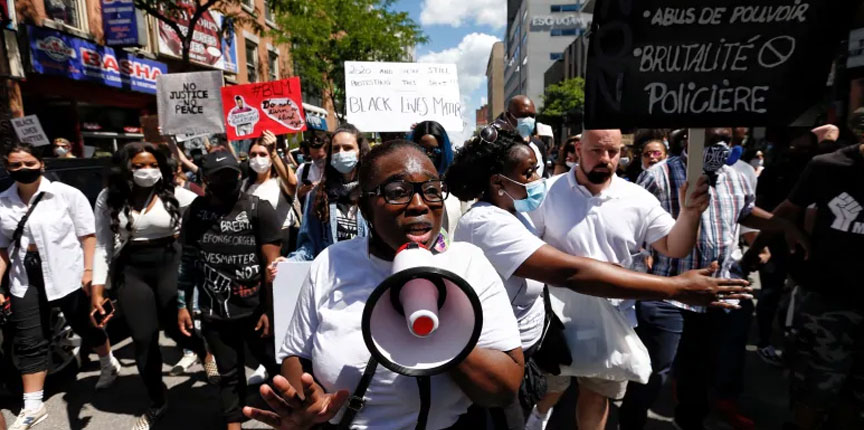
(324, 34)
(564, 98)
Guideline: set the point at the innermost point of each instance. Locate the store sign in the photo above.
(29, 130)
(55, 53)
(190, 103)
(209, 47)
(390, 97)
(559, 22)
(670, 64)
(316, 122)
(120, 23)
(252, 108)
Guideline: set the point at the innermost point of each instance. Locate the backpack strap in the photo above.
(19, 230)
(356, 401)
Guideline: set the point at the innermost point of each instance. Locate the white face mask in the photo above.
(260, 164)
(570, 164)
(60, 151)
(146, 178)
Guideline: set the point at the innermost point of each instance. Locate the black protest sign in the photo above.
(190, 103)
(679, 63)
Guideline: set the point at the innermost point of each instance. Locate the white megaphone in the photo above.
(422, 320)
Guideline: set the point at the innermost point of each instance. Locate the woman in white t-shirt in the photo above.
(273, 181)
(137, 222)
(500, 170)
(403, 201)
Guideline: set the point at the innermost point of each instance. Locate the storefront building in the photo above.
(90, 66)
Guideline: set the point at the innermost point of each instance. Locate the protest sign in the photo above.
(29, 130)
(286, 291)
(667, 63)
(210, 47)
(190, 103)
(252, 108)
(394, 96)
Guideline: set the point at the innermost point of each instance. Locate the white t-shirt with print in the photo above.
(610, 227)
(326, 329)
(508, 240)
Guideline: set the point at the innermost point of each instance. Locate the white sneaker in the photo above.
(146, 421)
(27, 419)
(108, 374)
(189, 358)
(259, 377)
(536, 421)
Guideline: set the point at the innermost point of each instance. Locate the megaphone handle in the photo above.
(425, 389)
(356, 401)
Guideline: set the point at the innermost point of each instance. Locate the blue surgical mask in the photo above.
(536, 193)
(344, 162)
(525, 126)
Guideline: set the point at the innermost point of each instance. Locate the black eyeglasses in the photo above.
(401, 192)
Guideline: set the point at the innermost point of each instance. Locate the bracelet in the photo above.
(88, 270)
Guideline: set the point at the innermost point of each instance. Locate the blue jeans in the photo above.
(660, 328)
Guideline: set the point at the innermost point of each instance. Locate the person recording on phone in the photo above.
(323, 354)
(137, 256)
(46, 244)
(312, 169)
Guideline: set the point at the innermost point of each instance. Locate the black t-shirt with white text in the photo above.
(835, 184)
(221, 250)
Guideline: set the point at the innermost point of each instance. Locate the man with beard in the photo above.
(590, 212)
(709, 344)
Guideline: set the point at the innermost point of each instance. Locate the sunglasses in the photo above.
(489, 134)
(648, 154)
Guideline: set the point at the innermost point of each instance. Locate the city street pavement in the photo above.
(194, 405)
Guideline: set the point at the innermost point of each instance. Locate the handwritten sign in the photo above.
(392, 96)
(286, 291)
(250, 109)
(665, 63)
(190, 103)
(29, 130)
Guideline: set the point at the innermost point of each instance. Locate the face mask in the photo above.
(344, 162)
(624, 162)
(224, 191)
(525, 126)
(535, 194)
(570, 164)
(60, 151)
(300, 159)
(146, 178)
(25, 176)
(757, 163)
(260, 164)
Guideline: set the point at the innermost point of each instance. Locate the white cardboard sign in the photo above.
(390, 97)
(190, 103)
(286, 291)
(29, 130)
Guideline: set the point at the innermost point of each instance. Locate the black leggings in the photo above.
(31, 319)
(147, 295)
(226, 340)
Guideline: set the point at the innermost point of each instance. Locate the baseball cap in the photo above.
(218, 160)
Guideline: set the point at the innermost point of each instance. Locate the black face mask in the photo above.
(25, 176)
(224, 191)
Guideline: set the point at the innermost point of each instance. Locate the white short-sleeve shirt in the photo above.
(55, 225)
(508, 240)
(611, 226)
(326, 329)
(271, 191)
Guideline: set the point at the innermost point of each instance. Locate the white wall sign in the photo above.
(29, 130)
(190, 103)
(391, 97)
(286, 290)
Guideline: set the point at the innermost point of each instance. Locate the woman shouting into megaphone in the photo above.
(324, 356)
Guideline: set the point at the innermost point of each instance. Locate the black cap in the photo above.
(218, 160)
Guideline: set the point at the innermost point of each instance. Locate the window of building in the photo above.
(566, 7)
(273, 65)
(248, 4)
(251, 61)
(564, 32)
(555, 56)
(65, 11)
(268, 12)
